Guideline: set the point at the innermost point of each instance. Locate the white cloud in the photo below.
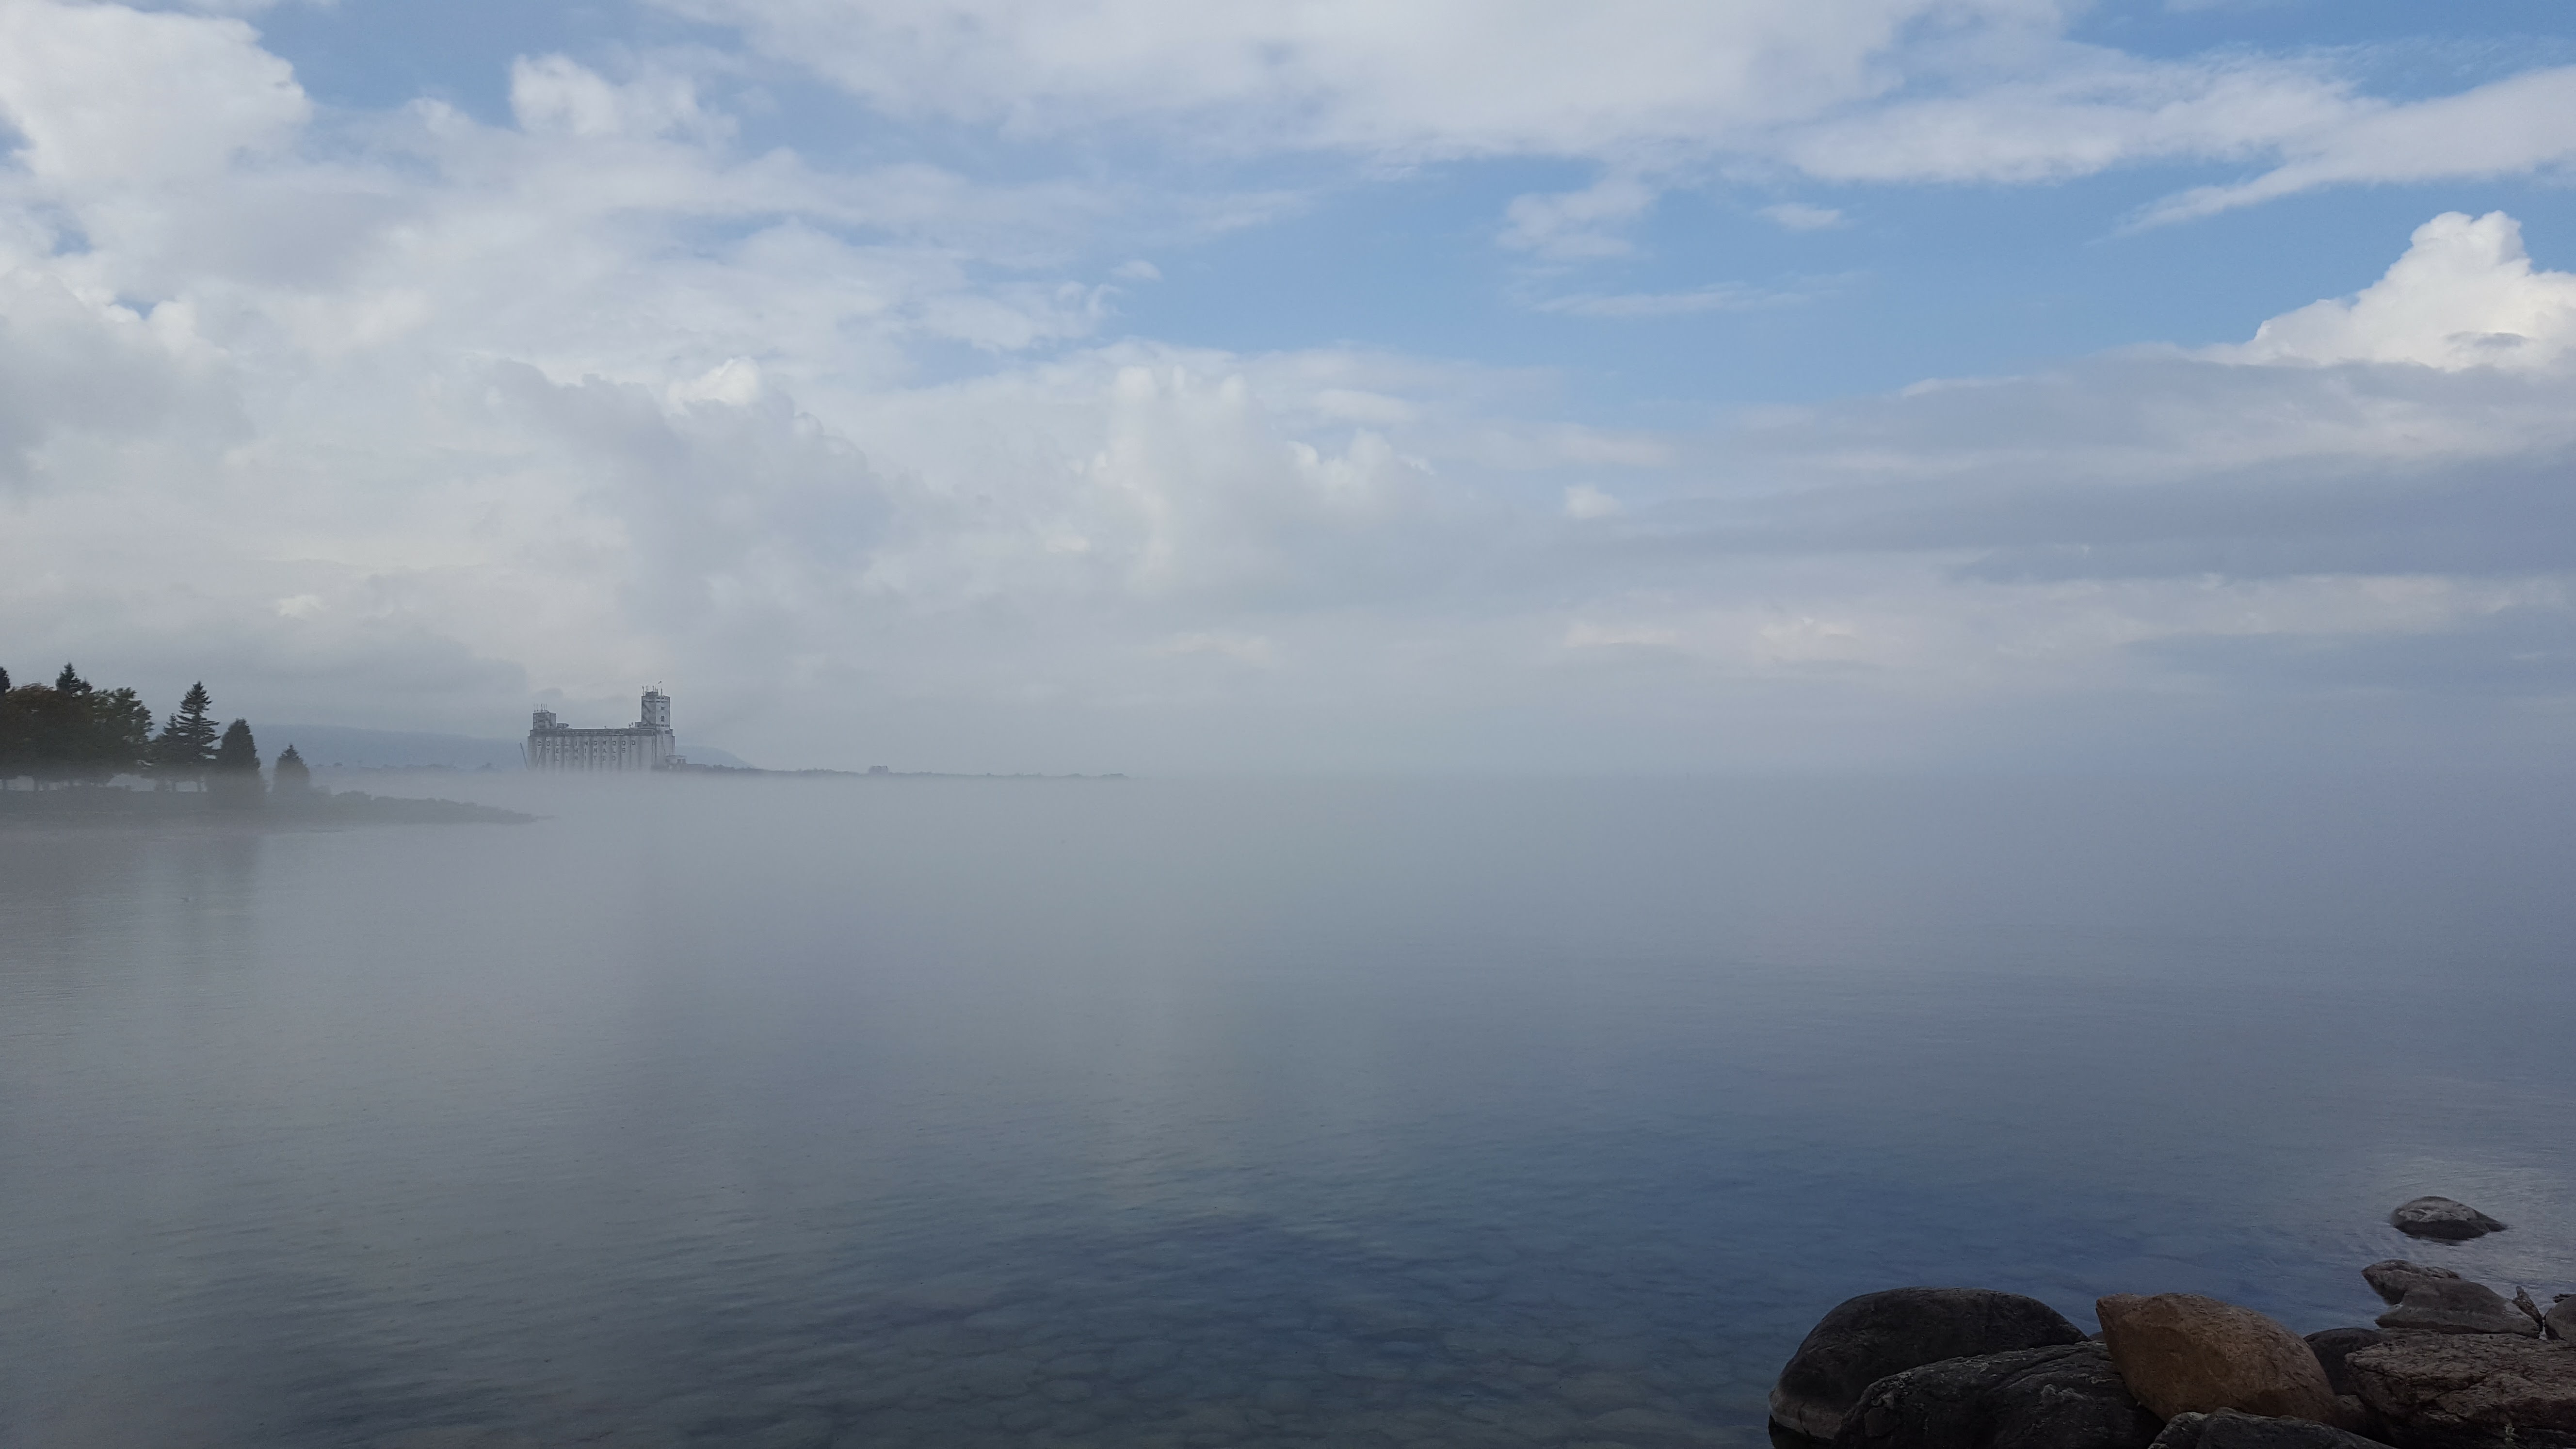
(1889, 91)
(387, 391)
(107, 96)
(2517, 126)
(1799, 216)
(1584, 502)
(2464, 295)
(1577, 224)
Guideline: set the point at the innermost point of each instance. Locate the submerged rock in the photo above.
(2182, 1353)
(2443, 1218)
(1865, 1339)
(2456, 1305)
(2470, 1391)
(2228, 1429)
(2065, 1397)
(2391, 1277)
(2333, 1345)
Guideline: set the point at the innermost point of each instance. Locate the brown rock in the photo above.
(2438, 1390)
(2181, 1353)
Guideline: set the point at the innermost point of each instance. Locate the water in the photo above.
(1198, 1115)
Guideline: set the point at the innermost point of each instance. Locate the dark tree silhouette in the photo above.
(68, 731)
(187, 744)
(292, 776)
(238, 754)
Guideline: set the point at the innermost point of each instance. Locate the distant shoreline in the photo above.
(318, 810)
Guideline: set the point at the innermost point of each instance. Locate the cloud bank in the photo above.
(411, 419)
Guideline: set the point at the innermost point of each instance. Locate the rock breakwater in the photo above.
(2453, 1364)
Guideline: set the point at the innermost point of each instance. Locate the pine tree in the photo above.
(187, 743)
(292, 776)
(115, 736)
(235, 772)
(17, 739)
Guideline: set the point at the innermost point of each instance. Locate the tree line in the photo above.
(71, 733)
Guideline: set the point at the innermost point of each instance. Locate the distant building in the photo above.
(646, 744)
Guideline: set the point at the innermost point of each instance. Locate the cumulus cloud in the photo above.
(2464, 295)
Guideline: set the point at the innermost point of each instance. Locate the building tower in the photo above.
(647, 744)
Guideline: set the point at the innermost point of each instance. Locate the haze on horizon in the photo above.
(1144, 385)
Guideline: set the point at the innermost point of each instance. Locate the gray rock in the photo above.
(2456, 1305)
(2228, 1429)
(2333, 1345)
(2471, 1391)
(2443, 1218)
(1865, 1339)
(2562, 1317)
(2522, 1300)
(2391, 1278)
(2066, 1397)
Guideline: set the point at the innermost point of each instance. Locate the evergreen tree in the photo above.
(235, 771)
(187, 744)
(292, 776)
(115, 737)
(17, 729)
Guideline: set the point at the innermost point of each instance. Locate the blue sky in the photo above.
(988, 384)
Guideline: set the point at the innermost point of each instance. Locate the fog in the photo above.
(752, 1110)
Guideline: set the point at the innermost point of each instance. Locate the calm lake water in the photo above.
(1190, 1115)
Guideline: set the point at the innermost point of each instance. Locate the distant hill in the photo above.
(325, 746)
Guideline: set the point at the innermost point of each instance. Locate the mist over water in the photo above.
(798, 1113)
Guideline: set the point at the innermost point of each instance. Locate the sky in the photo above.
(1310, 385)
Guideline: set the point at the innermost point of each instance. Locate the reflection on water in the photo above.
(771, 1113)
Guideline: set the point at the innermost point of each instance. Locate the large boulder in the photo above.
(1867, 1338)
(2182, 1353)
(2456, 1305)
(2228, 1429)
(2561, 1317)
(2067, 1397)
(2471, 1390)
(2333, 1345)
(2391, 1278)
(2443, 1218)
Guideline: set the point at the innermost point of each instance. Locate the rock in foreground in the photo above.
(1865, 1339)
(2228, 1429)
(2443, 1218)
(2471, 1391)
(2333, 1345)
(2067, 1397)
(2182, 1353)
(2455, 1305)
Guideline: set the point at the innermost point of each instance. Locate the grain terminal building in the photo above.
(646, 744)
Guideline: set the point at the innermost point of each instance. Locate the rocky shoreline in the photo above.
(2453, 1364)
